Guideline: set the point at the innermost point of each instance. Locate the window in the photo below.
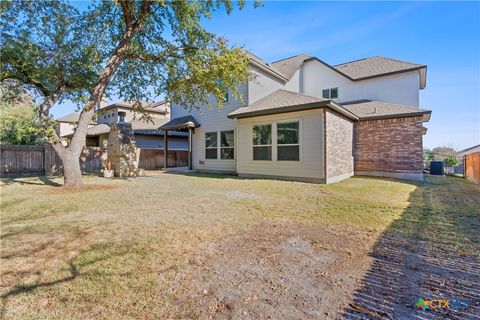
(288, 141)
(226, 96)
(227, 145)
(334, 93)
(326, 93)
(262, 142)
(330, 93)
(121, 117)
(211, 145)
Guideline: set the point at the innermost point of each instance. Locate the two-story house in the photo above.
(303, 119)
(147, 134)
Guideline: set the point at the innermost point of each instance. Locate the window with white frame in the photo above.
(211, 145)
(331, 93)
(288, 141)
(262, 142)
(121, 117)
(227, 140)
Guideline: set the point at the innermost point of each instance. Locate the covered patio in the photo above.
(185, 124)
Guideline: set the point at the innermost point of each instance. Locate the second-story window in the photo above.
(121, 117)
(331, 93)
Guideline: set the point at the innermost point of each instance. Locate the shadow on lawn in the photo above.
(38, 181)
(88, 257)
(205, 175)
(431, 252)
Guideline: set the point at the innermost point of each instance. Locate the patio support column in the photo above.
(190, 147)
(165, 149)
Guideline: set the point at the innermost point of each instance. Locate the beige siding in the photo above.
(213, 120)
(339, 134)
(129, 115)
(311, 147)
(261, 85)
(66, 128)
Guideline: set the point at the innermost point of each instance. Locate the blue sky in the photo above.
(443, 35)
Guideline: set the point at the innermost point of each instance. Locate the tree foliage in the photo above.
(136, 50)
(440, 153)
(427, 154)
(451, 161)
(48, 46)
(19, 123)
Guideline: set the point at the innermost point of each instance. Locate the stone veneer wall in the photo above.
(339, 147)
(389, 148)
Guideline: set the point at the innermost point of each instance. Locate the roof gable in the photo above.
(375, 67)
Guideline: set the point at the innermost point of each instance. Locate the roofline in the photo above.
(391, 73)
(117, 105)
(426, 116)
(270, 71)
(369, 77)
(308, 106)
(329, 66)
(468, 149)
(287, 58)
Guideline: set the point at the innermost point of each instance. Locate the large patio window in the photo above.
(288, 141)
(262, 142)
(227, 145)
(211, 145)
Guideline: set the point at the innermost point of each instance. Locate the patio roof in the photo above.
(180, 123)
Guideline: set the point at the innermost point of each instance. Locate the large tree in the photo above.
(134, 49)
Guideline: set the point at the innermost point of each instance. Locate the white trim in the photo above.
(219, 143)
(274, 145)
(299, 144)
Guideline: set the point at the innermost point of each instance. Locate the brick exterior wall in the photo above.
(339, 146)
(391, 146)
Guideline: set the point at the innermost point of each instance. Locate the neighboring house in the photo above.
(464, 152)
(147, 134)
(302, 119)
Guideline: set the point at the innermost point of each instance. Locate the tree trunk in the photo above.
(70, 155)
(72, 174)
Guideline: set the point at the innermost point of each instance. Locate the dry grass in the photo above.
(131, 248)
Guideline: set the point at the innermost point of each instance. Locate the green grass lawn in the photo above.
(102, 252)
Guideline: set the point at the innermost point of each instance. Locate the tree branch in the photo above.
(127, 13)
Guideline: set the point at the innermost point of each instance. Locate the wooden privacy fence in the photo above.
(472, 167)
(34, 161)
(151, 159)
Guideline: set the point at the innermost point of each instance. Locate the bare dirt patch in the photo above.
(285, 271)
(84, 188)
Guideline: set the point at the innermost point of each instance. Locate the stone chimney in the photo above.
(122, 151)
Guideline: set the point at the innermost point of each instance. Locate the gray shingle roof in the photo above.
(374, 66)
(96, 130)
(265, 65)
(282, 101)
(180, 123)
(289, 66)
(151, 128)
(71, 117)
(141, 124)
(368, 109)
(155, 107)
